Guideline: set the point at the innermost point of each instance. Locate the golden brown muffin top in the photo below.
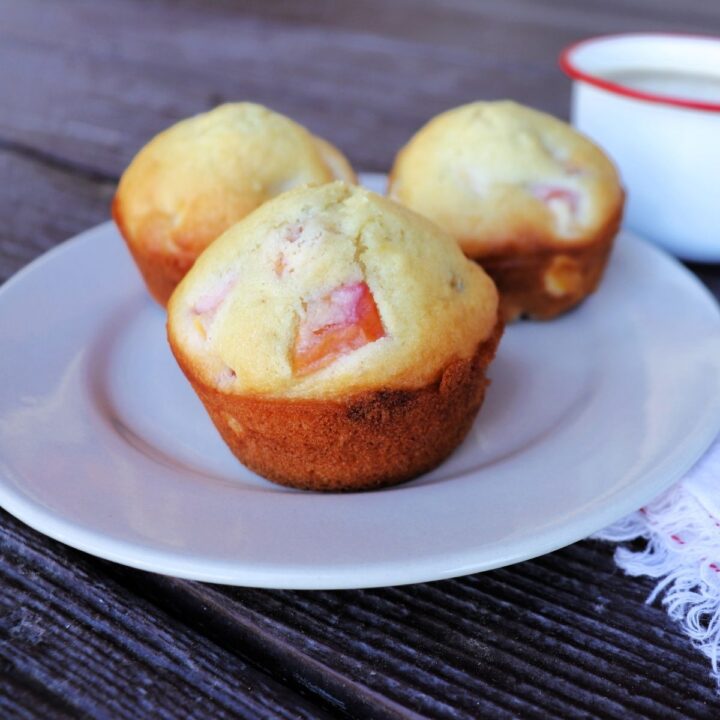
(498, 174)
(329, 291)
(198, 177)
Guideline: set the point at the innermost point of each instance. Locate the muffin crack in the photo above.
(360, 248)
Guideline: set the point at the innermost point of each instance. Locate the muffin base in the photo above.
(161, 269)
(546, 283)
(545, 280)
(361, 442)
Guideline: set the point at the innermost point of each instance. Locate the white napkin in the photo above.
(682, 528)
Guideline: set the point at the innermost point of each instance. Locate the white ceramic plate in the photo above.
(104, 446)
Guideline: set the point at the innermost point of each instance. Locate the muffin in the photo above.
(193, 181)
(338, 341)
(525, 195)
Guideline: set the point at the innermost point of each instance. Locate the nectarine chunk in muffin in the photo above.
(334, 324)
(563, 204)
(206, 306)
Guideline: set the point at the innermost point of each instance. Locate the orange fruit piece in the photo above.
(335, 324)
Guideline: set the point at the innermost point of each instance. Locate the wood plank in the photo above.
(545, 638)
(541, 639)
(42, 204)
(74, 642)
(91, 82)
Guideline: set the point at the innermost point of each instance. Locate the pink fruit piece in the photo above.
(553, 193)
(205, 307)
(334, 324)
(293, 232)
(209, 302)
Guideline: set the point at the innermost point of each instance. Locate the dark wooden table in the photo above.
(83, 84)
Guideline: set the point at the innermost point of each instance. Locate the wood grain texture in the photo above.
(41, 205)
(548, 638)
(74, 642)
(83, 85)
(563, 636)
(91, 82)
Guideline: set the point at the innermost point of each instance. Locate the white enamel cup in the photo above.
(667, 148)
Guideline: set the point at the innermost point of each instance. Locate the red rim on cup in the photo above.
(574, 65)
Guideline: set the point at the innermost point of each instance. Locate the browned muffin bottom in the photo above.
(365, 441)
(542, 281)
(161, 269)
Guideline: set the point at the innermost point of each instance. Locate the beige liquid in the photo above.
(672, 83)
